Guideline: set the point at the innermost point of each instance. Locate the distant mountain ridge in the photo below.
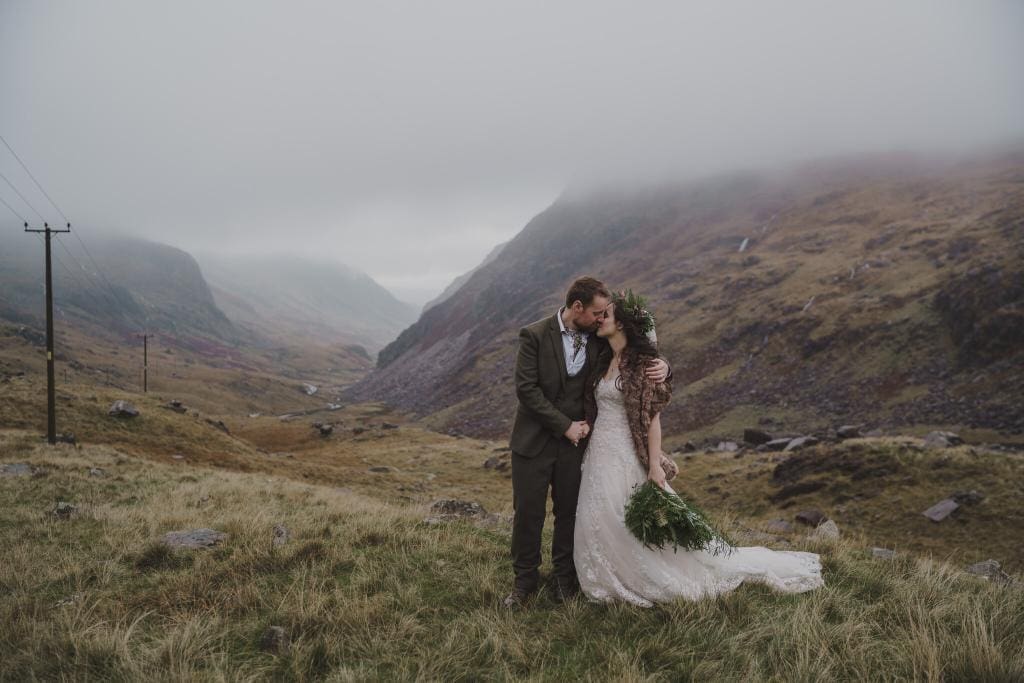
(288, 297)
(882, 290)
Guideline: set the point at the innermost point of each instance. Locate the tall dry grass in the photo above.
(365, 591)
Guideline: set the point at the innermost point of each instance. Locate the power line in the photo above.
(52, 203)
(20, 217)
(27, 202)
(98, 270)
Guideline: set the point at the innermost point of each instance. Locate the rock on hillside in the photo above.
(884, 290)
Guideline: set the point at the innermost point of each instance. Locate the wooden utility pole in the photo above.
(51, 402)
(145, 363)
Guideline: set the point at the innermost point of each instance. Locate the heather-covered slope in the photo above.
(883, 291)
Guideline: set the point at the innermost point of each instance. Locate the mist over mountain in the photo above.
(290, 298)
(885, 290)
(118, 284)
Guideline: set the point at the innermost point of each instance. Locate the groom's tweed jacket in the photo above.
(549, 400)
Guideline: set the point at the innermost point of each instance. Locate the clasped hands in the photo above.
(577, 431)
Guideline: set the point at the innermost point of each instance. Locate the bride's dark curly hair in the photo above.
(639, 347)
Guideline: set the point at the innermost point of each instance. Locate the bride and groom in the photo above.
(591, 387)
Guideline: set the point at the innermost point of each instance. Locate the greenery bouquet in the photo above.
(657, 516)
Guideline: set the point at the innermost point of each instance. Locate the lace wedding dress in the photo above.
(613, 565)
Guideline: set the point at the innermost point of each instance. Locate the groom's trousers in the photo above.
(557, 466)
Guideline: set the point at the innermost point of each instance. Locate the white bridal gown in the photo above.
(613, 565)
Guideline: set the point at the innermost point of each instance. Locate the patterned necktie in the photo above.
(577, 343)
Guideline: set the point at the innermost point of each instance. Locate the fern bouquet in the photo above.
(658, 517)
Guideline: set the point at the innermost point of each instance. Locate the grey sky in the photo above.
(407, 138)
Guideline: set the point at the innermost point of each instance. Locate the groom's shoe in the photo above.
(564, 592)
(516, 599)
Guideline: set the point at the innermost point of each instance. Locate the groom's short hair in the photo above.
(584, 290)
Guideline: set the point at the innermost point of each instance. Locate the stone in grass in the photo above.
(811, 517)
(882, 554)
(942, 440)
(121, 408)
(96, 472)
(776, 444)
(849, 431)
(828, 530)
(194, 538)
(990, 569)
(780, 526)
(275, 639)
(800, 442)
(382, 468)
(941, 510)
(451, 510)
(281, 535)
(64, 510)
(16, 469)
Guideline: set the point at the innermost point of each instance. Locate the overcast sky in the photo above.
(408, 138)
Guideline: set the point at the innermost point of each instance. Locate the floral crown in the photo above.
(635, 306)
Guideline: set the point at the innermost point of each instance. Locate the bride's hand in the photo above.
(657, 475)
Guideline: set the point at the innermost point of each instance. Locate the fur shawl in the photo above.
(642, 398)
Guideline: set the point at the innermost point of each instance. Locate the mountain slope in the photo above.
(131, 286)
(288, 298)
(886, 291)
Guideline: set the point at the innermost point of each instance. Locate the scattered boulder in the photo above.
(121, 408)
(64, 510)
(356, 431)
(176, 406)
(800, 442)
(827, 530)
(254, 415)
(219, 424)
(382, 468)
(96, 472)
(450, 510)
(941, 510)
(776, 444)
(16, 469)
(882, 554)
(194, 538)
(811, 517)
(177, 456)
(326, 430)
(780, 526)
(497, 463)
(689, 447)
(275, 639)
(874, 433)
(799, 488)
(971, 497)
(942, 440)
(991, 570)
(388, 425)
(67, 437)
(727, 446)
(756, 436)
(849, 431)
(281, 535)
(309, 389)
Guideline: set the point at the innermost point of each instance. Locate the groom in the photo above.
(549, 435)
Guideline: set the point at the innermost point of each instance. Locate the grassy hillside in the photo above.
(363, 590)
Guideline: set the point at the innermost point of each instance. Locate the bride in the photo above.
(624, 410)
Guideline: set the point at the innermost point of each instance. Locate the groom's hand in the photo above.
(576, 431)
(657, 370)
